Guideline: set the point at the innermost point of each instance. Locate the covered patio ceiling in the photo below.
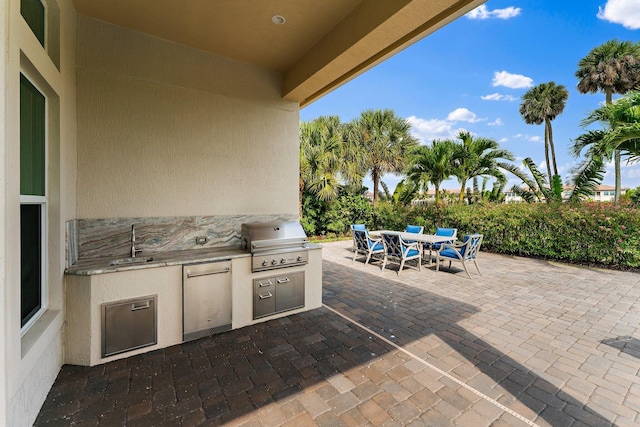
(321, 45)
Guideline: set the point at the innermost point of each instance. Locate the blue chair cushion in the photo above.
(377, 246)
(445, 231)
(413, 229)
(449, 253)
(412, 252)
(358, 227)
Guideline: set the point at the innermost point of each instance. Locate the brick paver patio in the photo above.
(529, 343)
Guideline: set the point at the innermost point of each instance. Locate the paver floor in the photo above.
(528, 343)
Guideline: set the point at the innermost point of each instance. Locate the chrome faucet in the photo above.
(134, 251)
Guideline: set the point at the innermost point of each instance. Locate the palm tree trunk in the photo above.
(616, 157)
(461, 198)
(618, 185)
(437, 195)
(376, 180)
(546, 152)
(553, 148)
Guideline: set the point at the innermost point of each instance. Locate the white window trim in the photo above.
(44, 213)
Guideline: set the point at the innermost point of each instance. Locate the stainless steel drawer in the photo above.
(264, 301)
(128, 325)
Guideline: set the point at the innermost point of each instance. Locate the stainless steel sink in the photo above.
(130, 261)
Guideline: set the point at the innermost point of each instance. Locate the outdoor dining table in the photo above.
(417, 237)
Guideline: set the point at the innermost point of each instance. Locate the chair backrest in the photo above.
(447, 232)
(361, 239)
(392, 245)
(472, 246)
(414, 229)
(358, 227)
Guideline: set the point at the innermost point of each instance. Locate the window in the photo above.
(33, 12)
(33, 202)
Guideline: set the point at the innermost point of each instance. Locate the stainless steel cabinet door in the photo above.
(128, 325)
(289, 291)
(206, 290)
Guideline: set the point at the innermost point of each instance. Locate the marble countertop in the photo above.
(92, 266)
(87, 267)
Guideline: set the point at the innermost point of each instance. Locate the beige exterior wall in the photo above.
(165, 130)
(30, 363)
(4, 242)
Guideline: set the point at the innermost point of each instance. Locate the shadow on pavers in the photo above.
(408, 314)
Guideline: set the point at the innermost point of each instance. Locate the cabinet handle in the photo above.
(265, 296)
(208, 273)
(284, 280)
(140, 305)
(265, 284)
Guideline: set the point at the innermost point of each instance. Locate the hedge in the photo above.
(589, 233)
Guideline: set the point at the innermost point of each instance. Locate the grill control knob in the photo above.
(264, 263)
(274, 261)
(299, 258)
(283, 260)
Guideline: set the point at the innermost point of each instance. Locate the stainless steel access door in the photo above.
(206, 296)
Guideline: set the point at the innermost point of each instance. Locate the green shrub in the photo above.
(588, 233)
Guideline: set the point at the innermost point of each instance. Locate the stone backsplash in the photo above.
(111, 237)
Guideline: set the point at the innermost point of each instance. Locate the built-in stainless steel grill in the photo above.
(275, 244)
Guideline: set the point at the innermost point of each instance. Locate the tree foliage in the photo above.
(542, 104)
(612, 67)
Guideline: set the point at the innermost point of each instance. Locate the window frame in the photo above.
(43, 3)
(41, 200)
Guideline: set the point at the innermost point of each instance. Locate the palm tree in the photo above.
(383, 141)
(432, 164)
(321, 156)
(621, 135)
(612, 67)
(478, 157)
(542, 104)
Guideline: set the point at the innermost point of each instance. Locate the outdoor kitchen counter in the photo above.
(88, 267)
(92, 284)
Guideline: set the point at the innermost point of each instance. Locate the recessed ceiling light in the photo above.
(278, 19)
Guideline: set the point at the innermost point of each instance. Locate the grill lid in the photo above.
(272, 236)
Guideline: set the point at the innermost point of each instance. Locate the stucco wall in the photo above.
(165, 130)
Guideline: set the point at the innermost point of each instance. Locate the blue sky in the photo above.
(472, 73)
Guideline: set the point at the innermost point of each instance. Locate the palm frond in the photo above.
(586, 177)
(526, 194)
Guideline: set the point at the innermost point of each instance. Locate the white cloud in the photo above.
(463, 115)
(503, 140)
(483, 12)
(498, 97)
(527, 137)
(513, 81)
(497, 122)
(428, 130)
(624, 12)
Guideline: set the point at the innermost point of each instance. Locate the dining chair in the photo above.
(366, 245)
(418, 229)
(467, 251)
(399, 251)
(440, 231)
(356, 227)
